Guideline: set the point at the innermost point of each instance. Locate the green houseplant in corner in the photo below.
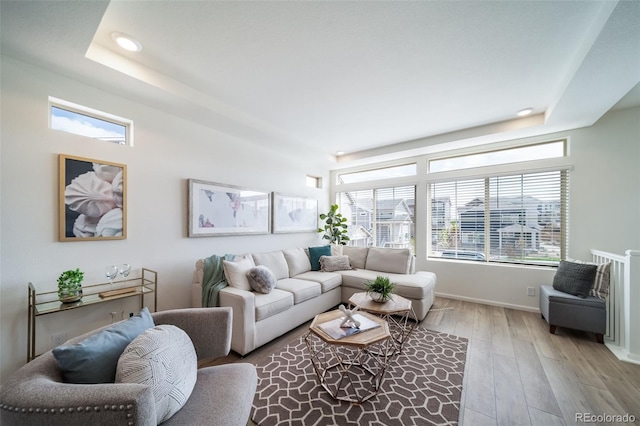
(70, 285)
(380, 289)
(335, 227)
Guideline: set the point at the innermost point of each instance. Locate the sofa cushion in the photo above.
(275, 261)
(557, 296)
(298, 261)
(328, 280)
(94, 359)
(315, 253)
(261, 279)
(236, 272)
(415, 286)
(395, 261)
(164, 359)
(357, 255)
(301, 289)
(273, 303)
(574, 278)
(334, 263)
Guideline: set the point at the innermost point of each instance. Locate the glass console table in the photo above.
(47, 303)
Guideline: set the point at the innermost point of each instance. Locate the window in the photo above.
(314, 182)
(378, 174)
(505, 156)
(516, 219)
(79, 120)
(382, 217)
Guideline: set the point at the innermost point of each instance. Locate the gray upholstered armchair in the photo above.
(37, 395)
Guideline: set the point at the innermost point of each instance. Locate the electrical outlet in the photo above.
(58, 339)
(531, 291)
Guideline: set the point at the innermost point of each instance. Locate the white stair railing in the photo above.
(623, 316)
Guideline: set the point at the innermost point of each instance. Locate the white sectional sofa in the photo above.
(301, 293)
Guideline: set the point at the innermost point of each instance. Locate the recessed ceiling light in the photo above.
(339, 152)
(524, 112)
(127, 42)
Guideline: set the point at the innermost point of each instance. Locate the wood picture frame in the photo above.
(92, 199)
(292, 213)
(217, 209)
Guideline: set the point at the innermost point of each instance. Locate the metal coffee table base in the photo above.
(347, 373)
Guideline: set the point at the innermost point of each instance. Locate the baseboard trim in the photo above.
(621, 353)
(489, 302)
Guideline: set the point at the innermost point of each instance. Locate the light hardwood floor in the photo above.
(517, 373)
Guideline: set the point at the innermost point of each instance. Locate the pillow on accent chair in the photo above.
(574, 278)
(601, 283)
(262, 279)
(94, 359)
(334, 263)
(315, 253)
(236, 272)
(164, 359)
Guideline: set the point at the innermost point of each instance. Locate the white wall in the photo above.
(167, 152)
(604, 214)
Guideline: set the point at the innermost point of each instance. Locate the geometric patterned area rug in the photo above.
(422, 386)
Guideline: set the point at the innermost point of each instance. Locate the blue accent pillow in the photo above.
(315, 253)
(94, 359)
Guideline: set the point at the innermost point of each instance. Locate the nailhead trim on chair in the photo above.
(70, 410)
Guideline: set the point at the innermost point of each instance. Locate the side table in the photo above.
(395, 312)
(346, 367)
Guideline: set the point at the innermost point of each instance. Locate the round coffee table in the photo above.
(395, 312)
(346, 367)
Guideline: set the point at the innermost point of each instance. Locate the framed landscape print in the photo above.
(218, 209)
(294, 214)
(92, 199)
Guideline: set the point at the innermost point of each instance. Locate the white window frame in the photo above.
(423, 178)
(93, 113)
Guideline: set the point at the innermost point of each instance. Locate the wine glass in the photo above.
(125, 269)
(111, 272)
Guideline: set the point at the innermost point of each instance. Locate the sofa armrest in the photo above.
(243, 304)
(31, 397)
(208, 328)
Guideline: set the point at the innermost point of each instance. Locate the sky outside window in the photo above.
(85, 125)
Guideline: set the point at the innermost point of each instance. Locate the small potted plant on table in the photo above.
(380, 289)
(70, 285)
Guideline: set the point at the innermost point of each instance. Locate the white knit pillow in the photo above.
(164, 359)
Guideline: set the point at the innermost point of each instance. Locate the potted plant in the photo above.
(335, 227)
(380, 289)
(70, 285)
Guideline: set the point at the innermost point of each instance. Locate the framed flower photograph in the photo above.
(217, 209)
(294, 214)
(92, 199)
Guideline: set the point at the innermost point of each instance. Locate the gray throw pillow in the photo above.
(334, 263)
(262, 279)
(574, 278)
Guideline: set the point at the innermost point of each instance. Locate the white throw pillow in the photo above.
(164, 359)
(298, 261)
(236, 272)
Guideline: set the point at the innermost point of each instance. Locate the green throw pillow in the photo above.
(315, 253)
(94, 359)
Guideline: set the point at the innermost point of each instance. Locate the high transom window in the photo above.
(84, 121)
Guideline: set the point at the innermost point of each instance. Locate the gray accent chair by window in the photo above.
(37, 395)
(571, 302)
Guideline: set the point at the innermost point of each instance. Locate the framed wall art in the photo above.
(217, 209)
(92, 199)
(294, 214)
